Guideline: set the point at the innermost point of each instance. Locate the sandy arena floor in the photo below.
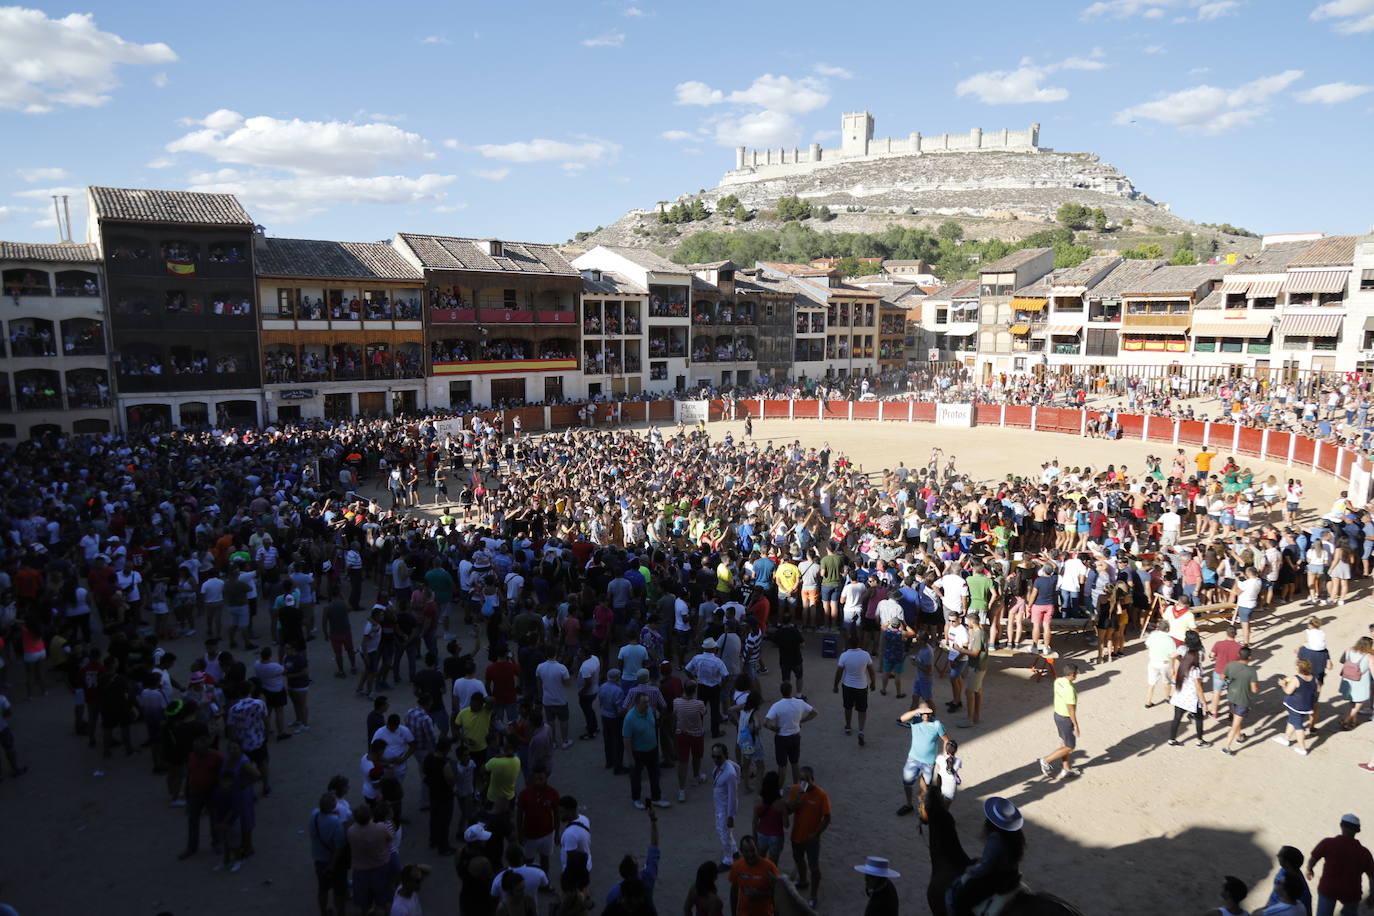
(1147, 829)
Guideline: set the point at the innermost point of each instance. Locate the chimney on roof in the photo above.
(494, 248)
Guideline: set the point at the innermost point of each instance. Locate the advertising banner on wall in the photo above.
(953, 414)
(693, 411)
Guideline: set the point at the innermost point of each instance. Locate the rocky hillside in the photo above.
(1004, 195)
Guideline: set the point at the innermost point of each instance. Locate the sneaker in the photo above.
(664, 803)
(848, 731)
(640, 804)
(967, 724)
(905, 810)
(1367, 768)
(1228, 752)
(1280, 739)
(238, 863)
(861, 739)
(1073, 771)
(1300, 751)
(1204, 744)
(1045, 768)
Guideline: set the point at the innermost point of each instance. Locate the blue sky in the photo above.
(534, 120)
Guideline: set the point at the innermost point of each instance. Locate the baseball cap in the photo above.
(477, 833)
(1350, 819)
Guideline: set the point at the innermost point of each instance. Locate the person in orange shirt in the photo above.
(751, 880)
(1204, 463)
(810, 808)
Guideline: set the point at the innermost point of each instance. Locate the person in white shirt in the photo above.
(1071, 578)
(854, 672)
(725, 798)
(953, 592)
(786, 717)
(852, 599)
(554, 679)
(709, 672)
(1246, 594)
(577, 835)
(1170, 523)
(588, 680)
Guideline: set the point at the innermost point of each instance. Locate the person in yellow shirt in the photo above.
(473, 725)
(788, 580)
(1204, 463)
(725, 575)
(502, 773)
(1065, 722)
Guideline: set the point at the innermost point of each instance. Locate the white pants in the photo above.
(725, 833)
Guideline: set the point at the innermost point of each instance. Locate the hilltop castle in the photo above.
(857, 143)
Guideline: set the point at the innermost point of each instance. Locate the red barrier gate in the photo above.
(1329, 456)
(1190, 432)
(748, 408)
(1132, 426)
(1018, 416)
(806, 410)
(779, 409)
(1251, 441)
(661, 410)
(866, 410)
(1161, 429)
(1279, 443)
(923, 412)
(1304, 450)
(895, 410)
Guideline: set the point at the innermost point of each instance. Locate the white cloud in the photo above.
(1352, 17)
(822, 136)
(161, 80)
(1199, 70)
(587, 151)
(758, 129)
(695, 92)
(1154, 49)
(633, 12)
(161, 162)
(304, 147)
(378, 116)
(1026, 82)
(491, 174)
(621, 179)
(6, 213)
(837, 72)
(677, 135)
(1209, 109)
(1194, 10)
(607, 40)
(1332, 93)
(435, 40)
(41, 174)
(783, 94)
(63, 63)
(296, 197)
(45, 193)
(456, 207)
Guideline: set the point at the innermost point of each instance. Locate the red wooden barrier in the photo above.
(562, 416)
(1304, 449)
(716, 410)
(1161, 429)
(984, 414)
(1251, 441)
(866, 410)
(748, 407)
(1222, 435)
(1330, 455)
(1018, 416)
(531, 418)
(806, 410)
(924, 412)
(834, 410)
(1132, 426)
(1070, 421)
(1277, 449)
(779, 409)
(660, 410)
(1190, 432)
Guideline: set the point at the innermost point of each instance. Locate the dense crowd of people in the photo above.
(176, 583)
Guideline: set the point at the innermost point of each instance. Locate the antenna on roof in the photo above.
(64, 218)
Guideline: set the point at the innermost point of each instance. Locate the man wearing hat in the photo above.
(1347, 863)
(927, 742)
(710, 672)
(878, 886)
(998, 869)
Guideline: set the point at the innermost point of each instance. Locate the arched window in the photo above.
(143, 417)
(77, 283)
(378, 360)
(281, 363)
(32, 337)
(26, 281)
(83, 337)
(88, 388)
(38, 389)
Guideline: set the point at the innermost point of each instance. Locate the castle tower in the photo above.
(739, 157)
(856, 129)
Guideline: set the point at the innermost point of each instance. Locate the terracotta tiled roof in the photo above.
(1333, 251)
(1125, 277)
(342, 260)
(611, 284)
(142, 205)
(647, 259)
(1177, 279)
(1012, 261)
(1272, 259)
(1084, 273)
(444, 252)
(797, 270)
(70, 252)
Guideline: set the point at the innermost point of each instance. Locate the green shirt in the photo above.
(1239, 676)
(832, 570)
(1065, 695)
(979, 591)
(504, 771)
(641, 729)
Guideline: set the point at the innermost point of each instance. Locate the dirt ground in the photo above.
(1147, 829)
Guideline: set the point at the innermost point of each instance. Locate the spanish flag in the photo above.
(181, 268)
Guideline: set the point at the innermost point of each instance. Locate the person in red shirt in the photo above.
(502, 679)
(202, 777)
(1224, 651)
(1347, 862)
(751, 881)
(536, 816)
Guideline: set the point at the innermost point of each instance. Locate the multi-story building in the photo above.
(1066, 315)
(772, 303)
(183, 307)
(1158, 312)
(613, 333)
(668, 321)
(1360, 305)
(724, 327)
(1004, 317)
(1316, 330)
(54, 367)
(891, 336)
(342, 329)
(851, 320)
(502, 319)
(949, 323)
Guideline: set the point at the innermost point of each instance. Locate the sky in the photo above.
(531, 121)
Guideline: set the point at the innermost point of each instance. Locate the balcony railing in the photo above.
(208, 381)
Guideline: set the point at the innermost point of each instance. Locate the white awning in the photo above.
(957, 328)
(1234, 285)
(1264, 289)
(1231, 327)
(1064, 330)
(1324, 323)
(1317, 281)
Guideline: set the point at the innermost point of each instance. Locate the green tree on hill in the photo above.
(793, 208)
(950, 231)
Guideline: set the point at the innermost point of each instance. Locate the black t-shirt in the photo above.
(291, 620)
(789, 642)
